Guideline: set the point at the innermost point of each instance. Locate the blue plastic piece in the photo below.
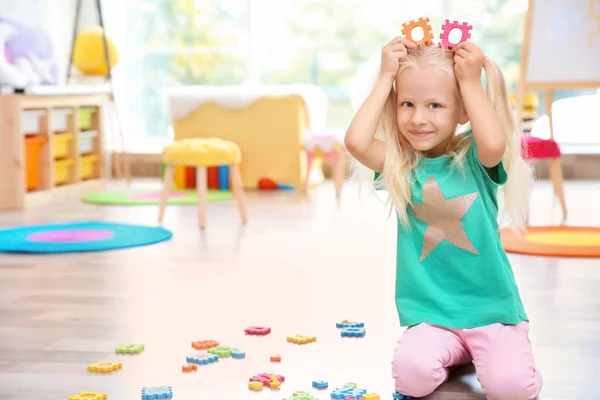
(159, 392)
(224, 177)
(238, 354)
(320, 384)
(202, 360)
(285, 186)
(347, 391)
(349, 324)
(356, 332)
(400, 396)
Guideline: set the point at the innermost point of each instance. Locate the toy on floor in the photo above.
(238, 354)
(222, 351)
(348, 391)
(204, 344)
(129, 349)
(89, 396)
(400, 396)
(202, 358)
(104, 366)
(298, 395)
(269, 184)
(276, 358)
(189, 368)
(271, 380)
(300, 339)
(353, 332)
(157, 392)
(257, 330)
(370, 396)
(349, 324)
(320, 384)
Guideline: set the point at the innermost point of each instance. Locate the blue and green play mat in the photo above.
(152, 197)
(78, 237)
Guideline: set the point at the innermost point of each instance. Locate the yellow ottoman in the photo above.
(203, 153)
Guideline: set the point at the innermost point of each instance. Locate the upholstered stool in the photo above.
(326, 146)
(203, 153)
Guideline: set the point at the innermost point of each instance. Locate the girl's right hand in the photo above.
(392, 54)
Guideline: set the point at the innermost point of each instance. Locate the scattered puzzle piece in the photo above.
(255, 385)
(275, 383)
(320, 384)
(129, 348)
(257, 330)
(276, 358)
(89, 396)
(348, 392)
(423, 23)
(400, 396)
(222, 351)
(157, 392)
(353, 332)
(349, 324)
(300, 339)
(204, 344)
(449, 27)
(267, 379)
(238, 354)
(202, 358)
(370, 396)
(302, 396)
(104, 366)
(189, 368)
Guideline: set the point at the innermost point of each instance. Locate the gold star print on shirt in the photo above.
(443, 217)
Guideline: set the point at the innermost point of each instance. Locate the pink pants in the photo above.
(501, 354)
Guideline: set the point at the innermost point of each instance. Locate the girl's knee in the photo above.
(509, 384)
(417, 376)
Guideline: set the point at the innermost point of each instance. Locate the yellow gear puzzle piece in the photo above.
(300, 339)
(254, 385)
(89, 396)
(104, 366)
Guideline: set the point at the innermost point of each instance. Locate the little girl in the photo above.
(455, 289)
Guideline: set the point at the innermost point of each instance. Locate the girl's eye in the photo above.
(406, 104)
(435, 105)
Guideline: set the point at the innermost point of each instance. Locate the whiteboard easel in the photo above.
(561, 50)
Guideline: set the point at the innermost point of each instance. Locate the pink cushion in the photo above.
(533, 147)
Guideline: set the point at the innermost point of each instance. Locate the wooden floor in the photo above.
(300, 265)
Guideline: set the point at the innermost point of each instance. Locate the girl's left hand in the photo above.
(468, 62)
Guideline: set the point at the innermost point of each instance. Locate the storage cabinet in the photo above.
(49, 146)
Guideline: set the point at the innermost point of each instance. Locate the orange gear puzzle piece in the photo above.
(424, 24)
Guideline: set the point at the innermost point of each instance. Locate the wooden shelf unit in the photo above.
(13, 189)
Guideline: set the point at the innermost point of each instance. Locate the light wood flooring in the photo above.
(300, 265)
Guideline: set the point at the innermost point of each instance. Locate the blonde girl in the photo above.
(443, 147)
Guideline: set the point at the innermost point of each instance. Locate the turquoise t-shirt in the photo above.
(451, 268)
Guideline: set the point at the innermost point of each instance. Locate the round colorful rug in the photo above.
(78, 237)
(151, 197)
(556, 241)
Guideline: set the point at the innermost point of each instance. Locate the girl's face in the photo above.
(429, 108)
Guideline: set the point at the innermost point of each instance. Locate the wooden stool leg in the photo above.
(338, 173)
(556, 176)
(201, 189)
(309, 161)
(238, 191)
(164, 198)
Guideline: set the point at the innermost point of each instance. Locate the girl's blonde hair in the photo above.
(401, 158)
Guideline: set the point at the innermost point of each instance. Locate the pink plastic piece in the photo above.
(257, 330)
(464, 27)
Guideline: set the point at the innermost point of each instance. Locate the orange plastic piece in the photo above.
(255, 385)
(205, 344)
(300, 339)
(427, 34)
(33, 149)
(189, 368)
(104, 366)
(276, 358)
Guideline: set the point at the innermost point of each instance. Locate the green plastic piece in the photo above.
(301, 396)
(130, 348)
(222, 351)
